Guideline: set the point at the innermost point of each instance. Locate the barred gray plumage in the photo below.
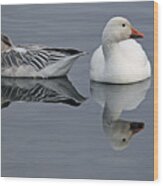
(37, 58)
(59, 90)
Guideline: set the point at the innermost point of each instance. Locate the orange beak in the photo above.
(136, 34)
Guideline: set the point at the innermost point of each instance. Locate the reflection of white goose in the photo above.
(59, 90)
(120, 132)
(115, 99)
(120, 59)
(35, 61)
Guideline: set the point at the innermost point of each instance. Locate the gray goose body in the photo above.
(35, 60)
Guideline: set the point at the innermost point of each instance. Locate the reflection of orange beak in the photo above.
(136, 34)
(136, 127)
(136, 130)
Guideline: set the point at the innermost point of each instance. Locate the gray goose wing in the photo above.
(35, 56)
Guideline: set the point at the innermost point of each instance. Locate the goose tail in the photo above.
(64, 64)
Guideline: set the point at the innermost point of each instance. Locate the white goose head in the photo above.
(119, 29)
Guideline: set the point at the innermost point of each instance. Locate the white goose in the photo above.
(120, 59)
(35, 61)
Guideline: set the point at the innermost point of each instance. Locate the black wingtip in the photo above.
(70, 51)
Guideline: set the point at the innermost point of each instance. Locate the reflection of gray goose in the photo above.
(35, 61)
(115, 99)
(59, 90)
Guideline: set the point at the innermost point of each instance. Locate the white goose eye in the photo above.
(123, 139)
(123, 25)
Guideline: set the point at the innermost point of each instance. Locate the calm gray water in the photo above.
(59, 128)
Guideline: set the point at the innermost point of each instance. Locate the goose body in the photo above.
(120, 59)
(35, 60)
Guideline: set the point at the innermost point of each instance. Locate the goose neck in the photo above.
(108, 47)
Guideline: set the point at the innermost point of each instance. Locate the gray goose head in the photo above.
(6, 42)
